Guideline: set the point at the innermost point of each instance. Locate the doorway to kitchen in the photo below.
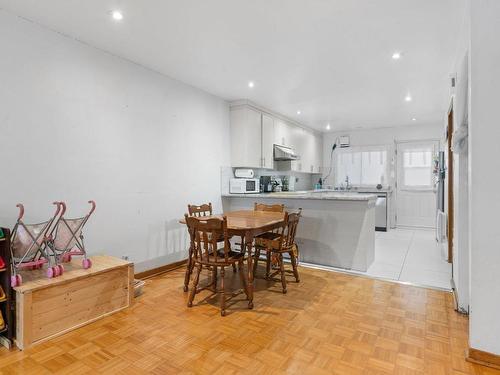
(415, 185)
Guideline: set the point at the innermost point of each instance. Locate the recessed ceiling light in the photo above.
(413, 119)
(298, 112)
(408, 98)
(117, 15)
(251, 84)
(327, 126)
(396, 55)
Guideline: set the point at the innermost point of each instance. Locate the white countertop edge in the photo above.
(324, 196)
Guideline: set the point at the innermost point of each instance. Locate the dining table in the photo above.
(246, 224)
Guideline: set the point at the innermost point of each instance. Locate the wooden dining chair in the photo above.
(267, 208)
(199, 211)
(278, 243)
(203, 210)
(205, 235)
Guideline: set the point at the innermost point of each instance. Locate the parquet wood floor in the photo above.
(330, 323)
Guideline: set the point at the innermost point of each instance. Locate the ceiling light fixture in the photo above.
(396, 55)
(413, 119)
(117, 15)
(408, 98)
(327, 126)
(251, 84)
(298, 112)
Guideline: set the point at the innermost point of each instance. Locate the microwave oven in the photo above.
(244, 185)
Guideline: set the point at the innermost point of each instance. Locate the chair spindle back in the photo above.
(200, 211)
(292, 221)
(205, 234)
(269, 207)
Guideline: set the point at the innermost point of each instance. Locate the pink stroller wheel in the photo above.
(50, 272)
(56, 271)
(86, 263)
(13, 281)
(19, 280)
(61, 269)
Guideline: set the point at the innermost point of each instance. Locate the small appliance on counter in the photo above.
(277, 185)
(244, 173)
(244, 186)
(266, 185)
(286, 184)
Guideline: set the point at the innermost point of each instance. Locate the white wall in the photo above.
(77, 123)
(460, 97)
(484, 195)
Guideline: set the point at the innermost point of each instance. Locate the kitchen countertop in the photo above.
(357, 190)
(325, 195)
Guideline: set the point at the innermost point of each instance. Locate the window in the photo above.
(417, 166)
(366, 166)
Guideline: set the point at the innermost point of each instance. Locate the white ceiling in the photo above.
(330, 59)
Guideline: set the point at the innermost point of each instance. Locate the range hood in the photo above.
(283, 153)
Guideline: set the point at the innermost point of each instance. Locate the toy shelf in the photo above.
(6, 306)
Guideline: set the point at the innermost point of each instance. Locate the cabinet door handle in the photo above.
(263, 162)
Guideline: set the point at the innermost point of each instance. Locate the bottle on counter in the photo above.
(284, 183)
(319, 184)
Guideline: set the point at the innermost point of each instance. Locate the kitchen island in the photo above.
(336, 229)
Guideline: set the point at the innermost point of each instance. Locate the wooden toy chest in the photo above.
(47, 308)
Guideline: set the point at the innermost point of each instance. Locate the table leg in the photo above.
(189, 269)
(249, 243)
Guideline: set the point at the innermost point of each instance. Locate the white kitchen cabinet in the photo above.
(282, 133)
(252, 135)
(299, 143)
(246, 138)
(267, 141)
(318, 154)
(305, 146)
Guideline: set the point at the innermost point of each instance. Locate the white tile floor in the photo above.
(410, 255)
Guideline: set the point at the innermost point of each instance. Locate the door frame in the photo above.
(449, 167)
(396, 167)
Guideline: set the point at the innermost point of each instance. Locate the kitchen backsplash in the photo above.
(303, 181)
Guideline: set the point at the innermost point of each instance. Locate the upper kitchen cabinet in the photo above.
(283, 133)
(252, 135)
(308, 145)
(318, 154)
(267, 141)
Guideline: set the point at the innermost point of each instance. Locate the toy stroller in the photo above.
(29, 246)
(68, 237)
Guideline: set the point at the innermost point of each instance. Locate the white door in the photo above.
(415, 186)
